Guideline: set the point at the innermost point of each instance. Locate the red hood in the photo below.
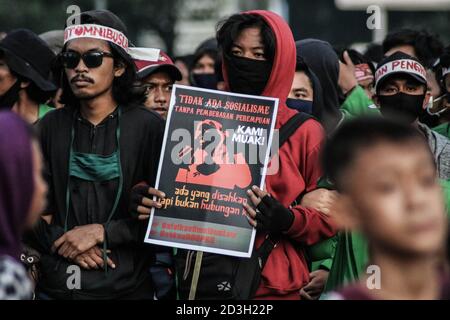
(283, 69)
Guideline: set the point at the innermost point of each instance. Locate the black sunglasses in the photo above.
(92, 59)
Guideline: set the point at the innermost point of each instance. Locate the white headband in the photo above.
(145, 54)
(403, 65)
(96, 31)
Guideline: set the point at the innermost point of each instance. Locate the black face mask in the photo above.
(10, 97)
(205, 80)
(301, 105)
(246, 75)
(402, 106)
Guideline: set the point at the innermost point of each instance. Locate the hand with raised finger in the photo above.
(347, 79)
(143, 200)
(270, 216)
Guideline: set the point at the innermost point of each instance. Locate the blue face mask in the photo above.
(300, 105)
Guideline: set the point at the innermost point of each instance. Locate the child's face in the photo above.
(396, 198)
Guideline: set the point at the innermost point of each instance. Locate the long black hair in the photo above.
(229, 30)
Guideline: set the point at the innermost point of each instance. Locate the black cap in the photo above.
(29, 56)
(400, 63)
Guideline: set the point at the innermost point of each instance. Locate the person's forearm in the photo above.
(125, 231)
(42, 236)
(310, 226)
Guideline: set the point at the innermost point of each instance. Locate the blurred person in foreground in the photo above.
(22, 199)
(389, 191)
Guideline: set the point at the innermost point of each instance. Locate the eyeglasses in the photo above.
(92, 59)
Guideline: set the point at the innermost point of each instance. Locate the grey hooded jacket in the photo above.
(440, 147)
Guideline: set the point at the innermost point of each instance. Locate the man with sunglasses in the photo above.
(101, 144)
(158, 74)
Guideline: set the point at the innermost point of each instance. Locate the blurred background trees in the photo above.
(178, 26)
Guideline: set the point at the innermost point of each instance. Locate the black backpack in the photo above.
(224, 277)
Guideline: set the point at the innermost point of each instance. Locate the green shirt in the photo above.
(43, 110)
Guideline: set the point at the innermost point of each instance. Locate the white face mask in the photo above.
(430, 106)
(436, 104)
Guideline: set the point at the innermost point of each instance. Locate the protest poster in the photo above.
(216, 146)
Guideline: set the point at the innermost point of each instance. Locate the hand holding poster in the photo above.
(216, 146)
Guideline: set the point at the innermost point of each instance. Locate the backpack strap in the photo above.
(292, 125)
(289, 128)
(285, 132)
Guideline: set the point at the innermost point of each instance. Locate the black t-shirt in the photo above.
(141, 134)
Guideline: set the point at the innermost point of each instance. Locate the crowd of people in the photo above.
(363, 180)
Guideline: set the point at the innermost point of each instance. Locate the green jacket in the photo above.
(358, 104)
(350, 259)
(321, 254)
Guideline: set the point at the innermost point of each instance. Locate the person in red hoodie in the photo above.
(259, 58)
(255, 65)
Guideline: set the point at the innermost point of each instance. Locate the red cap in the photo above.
(149, 61)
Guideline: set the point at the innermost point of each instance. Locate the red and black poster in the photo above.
(216, 146)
